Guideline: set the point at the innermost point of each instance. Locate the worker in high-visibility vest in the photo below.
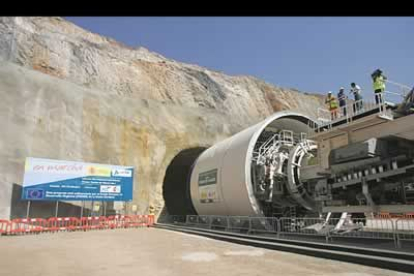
(379, 85)
(332, 105)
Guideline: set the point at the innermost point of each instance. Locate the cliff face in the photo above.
(73, 95)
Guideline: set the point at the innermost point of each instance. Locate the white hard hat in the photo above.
(330, 92)
(341, 88)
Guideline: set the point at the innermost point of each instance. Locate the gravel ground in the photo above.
(156, 252)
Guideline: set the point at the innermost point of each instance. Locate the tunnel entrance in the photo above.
(176, 185)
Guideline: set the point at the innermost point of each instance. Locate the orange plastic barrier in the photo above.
(112, 222)
(139, 221)
(103, 222)
(395, 216)
(85, 223)
(127, 221)
(151, 220)
(4, 226)
(18, 226)
(38, 225)
(23, 226)
(384, 215)
(93, 223)
(62, 224)
(98, 222)
(409, 215)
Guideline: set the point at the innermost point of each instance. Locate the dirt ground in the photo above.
(156, 252)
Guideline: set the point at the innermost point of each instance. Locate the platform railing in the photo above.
(326, 118)
(404, 230)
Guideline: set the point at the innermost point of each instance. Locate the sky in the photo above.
(311, 54)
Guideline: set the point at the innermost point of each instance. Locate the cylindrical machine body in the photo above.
(221, 180)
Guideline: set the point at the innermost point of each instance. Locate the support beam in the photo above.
(369, 209)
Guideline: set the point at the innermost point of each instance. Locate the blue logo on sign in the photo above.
(35, 193)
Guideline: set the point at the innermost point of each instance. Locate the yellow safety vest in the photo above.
(379, 83)
(331, 101)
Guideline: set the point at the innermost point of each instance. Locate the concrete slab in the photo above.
(157, 252)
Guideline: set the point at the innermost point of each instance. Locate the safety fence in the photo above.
(376, 231)
(22, 226)
(351, 109)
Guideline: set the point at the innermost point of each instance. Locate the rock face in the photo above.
(73, 95)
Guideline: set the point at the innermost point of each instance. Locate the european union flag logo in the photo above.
(35, 193)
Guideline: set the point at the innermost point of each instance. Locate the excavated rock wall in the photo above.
(70, 94)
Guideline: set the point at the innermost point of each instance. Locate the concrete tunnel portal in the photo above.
(176, 186)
